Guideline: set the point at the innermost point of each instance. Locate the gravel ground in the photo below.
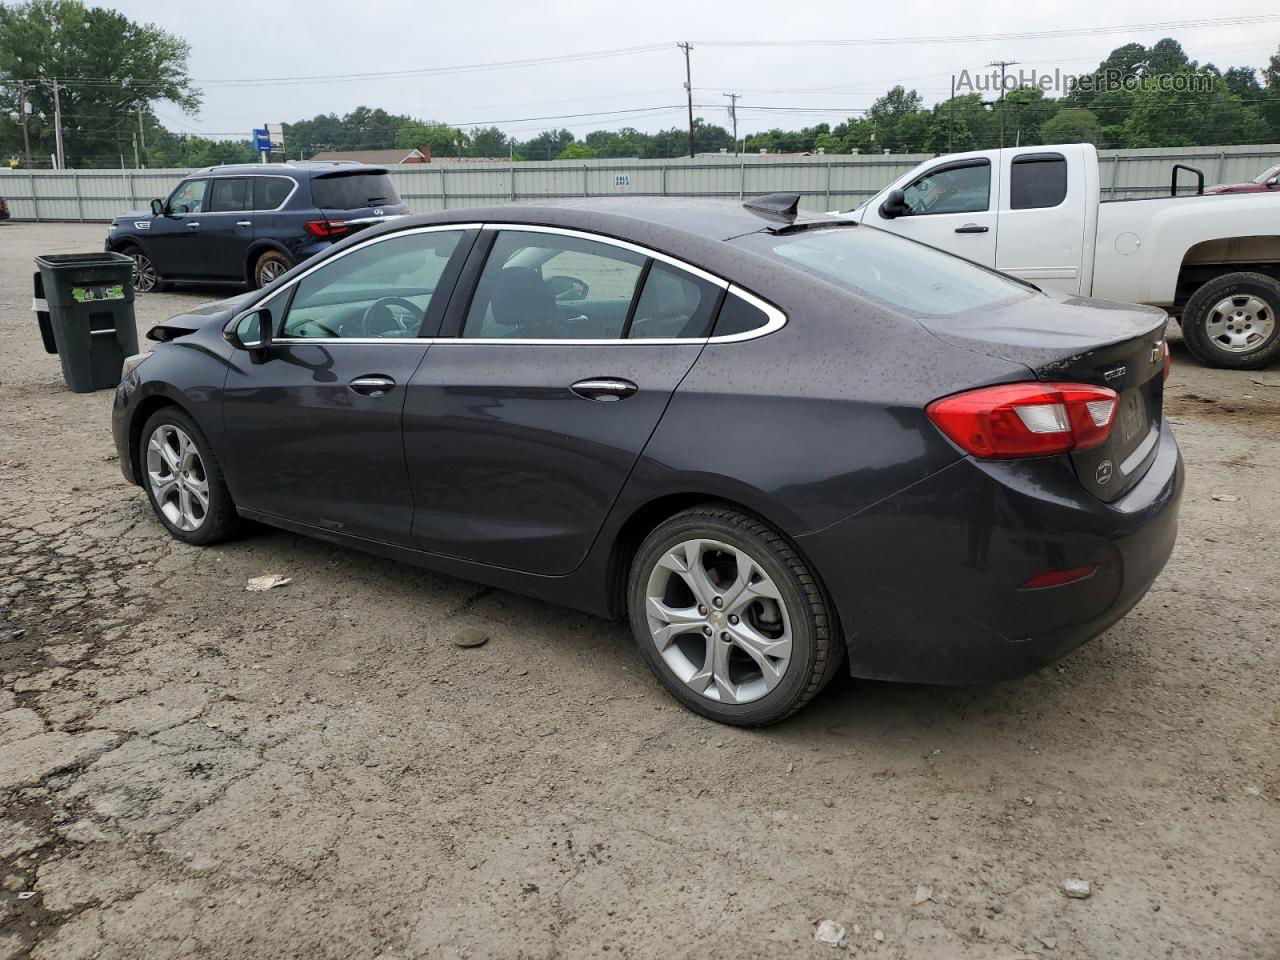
(191, 770)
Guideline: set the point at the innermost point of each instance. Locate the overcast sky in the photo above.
(237, 40)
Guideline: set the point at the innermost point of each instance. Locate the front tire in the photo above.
(145, 277)
(730, 618)
(183, 479)
(1233, 321)
(269, 266)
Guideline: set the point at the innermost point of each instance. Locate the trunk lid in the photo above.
(357, 198)
(1080, 340)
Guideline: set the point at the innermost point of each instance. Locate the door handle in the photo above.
(604, 388)
(193, 226)
(244, 223)
(375, 386)
(972, 228)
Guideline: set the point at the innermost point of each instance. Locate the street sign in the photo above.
(261, 140)
(276, 132)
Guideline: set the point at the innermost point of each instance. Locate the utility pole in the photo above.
(22, 116)
(142, 133)
(137, 165)
(57, 126)
(733, 115)
(951, 114)
(688, 86)
(1002, 64)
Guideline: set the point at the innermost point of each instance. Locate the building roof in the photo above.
(398, 155)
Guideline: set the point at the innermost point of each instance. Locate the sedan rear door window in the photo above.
(674, 304)
(550, 286)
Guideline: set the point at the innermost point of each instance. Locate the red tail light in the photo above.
(327, 229)
(1026, 419)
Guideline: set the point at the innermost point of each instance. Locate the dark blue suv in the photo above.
(248, 224)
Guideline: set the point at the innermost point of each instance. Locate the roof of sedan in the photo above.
(643, 219)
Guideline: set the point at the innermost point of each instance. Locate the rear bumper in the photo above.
(927, 582)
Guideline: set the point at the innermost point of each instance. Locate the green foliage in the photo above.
(1071, 125)
(577, 151)
(1123, 106)
(109, 68)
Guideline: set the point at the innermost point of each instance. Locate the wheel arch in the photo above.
(147, 407)
(644, 517)
(1210, 259)
(257, 249)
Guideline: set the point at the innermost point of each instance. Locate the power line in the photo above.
(985, 37)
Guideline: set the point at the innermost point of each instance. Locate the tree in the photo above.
(1071, 125)
(82, 47)
(444, 140)
(576, 151)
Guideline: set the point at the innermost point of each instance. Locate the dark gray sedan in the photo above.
(775, 441)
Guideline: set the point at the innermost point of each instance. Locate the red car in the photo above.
(1269, 179)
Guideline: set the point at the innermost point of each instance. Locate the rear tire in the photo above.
(268, 266)
(183, 479)
(742, 656)
(1233, 321)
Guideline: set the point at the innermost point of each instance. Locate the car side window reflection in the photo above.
(546, 286)
(381, 290)
(963, 189)
(189, 197)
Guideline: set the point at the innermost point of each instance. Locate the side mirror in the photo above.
(895, 205)
(567, 288)
(157, 207)
(252, 333)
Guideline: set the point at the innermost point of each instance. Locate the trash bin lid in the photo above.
(103, 258)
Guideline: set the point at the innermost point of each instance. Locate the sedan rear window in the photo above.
(906, 276)
(353, 191)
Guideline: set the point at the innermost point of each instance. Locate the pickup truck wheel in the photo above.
(1233, 321)
(270, 265)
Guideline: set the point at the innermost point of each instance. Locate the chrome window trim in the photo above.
(777, 319)
(613, 242)
(240, 176)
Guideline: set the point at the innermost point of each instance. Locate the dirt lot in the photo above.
(191, 770)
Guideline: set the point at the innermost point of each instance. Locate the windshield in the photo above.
(1267, 174)
(904, 275)
(353, 191)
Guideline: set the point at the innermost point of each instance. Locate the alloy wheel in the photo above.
(1240, 323)
(718, 621)
(269, 271)
(144, 273)
(177, 477)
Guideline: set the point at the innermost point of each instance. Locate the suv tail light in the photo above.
(1026, 419)
(327, 229)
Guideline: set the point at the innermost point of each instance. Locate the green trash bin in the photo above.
(84, 306)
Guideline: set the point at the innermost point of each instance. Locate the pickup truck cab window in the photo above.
(963, 187)
(1037, 180)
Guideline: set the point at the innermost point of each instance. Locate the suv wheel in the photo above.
(145, 277)
(730, 618)
(269, 266)
(1233, 321)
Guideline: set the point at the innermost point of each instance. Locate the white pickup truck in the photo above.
(1212, 261)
